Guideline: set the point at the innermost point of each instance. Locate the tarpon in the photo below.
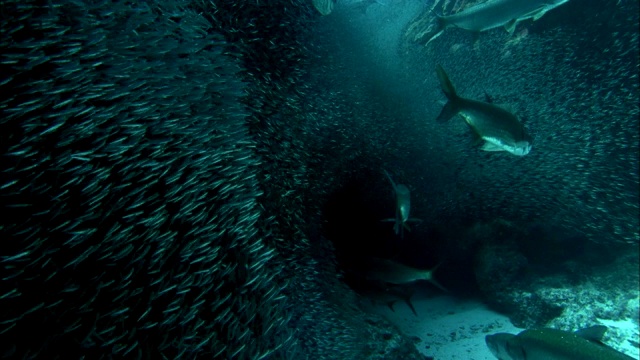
(552, 344)
(496, 13)
(403, 207)
(500, 129)
(392, 272)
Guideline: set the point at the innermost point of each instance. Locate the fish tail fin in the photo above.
(452, 107)
(428, 275)
(437, 284)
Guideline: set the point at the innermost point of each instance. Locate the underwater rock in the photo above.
(499, 268)
(562, 295)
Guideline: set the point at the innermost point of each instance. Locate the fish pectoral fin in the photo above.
(593, 333)
(535, 14)
(487, 146)
(511, 26)
(390, 304)
(476, 139)
(539, 14)
(410, 305)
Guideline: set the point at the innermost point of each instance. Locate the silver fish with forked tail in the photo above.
(495, 13)
(500, 129)
(393, 272)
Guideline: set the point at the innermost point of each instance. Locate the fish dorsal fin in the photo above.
(593, 333)
(511, 26)
(488, 98)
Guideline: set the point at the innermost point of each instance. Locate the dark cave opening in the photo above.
(353, 221)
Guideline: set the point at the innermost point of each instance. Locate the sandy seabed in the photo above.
(448, 328)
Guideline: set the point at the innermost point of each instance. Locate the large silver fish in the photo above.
(496, 13)
(552, 344)
(403, 207)
(499, 128)
(392, 272)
